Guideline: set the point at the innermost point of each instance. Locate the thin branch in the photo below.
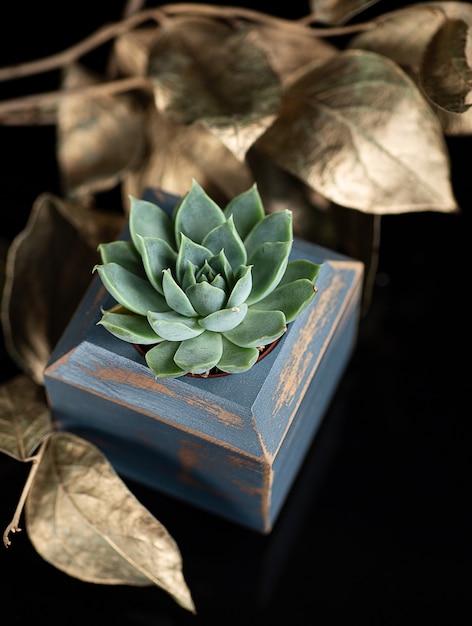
(106, 33)
(39, 105)
(14, 525)
(73, 53)
(257, 16)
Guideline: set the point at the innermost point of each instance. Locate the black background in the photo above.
(377, 528)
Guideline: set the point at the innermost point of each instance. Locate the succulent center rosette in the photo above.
(205, 287)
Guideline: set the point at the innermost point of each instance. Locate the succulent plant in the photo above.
(205, 287)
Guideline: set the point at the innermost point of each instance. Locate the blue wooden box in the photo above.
(230, 445)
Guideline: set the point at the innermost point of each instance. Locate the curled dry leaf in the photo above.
(100, 138)
(24, 417)
(358, 131)
(208, 71)
(82, 519)
(338, 11)
(402, 35)
(49, 266)
(446, 75)
(456, 124)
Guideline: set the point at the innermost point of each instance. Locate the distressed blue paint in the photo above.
(231, 445)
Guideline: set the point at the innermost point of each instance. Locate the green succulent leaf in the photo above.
(130, 328)
(209, 287)
(220, 283)
(291, 298)
(124, 253)
(189, 276)
(258, 328)
(133, 292)
(200, 354)
(225, 237)
(160, 360)
(221, 265)
(157, 256)
(196, 215)
(206, 272)
(269, 264)
(149, 220)
(274, 227)
(205, 298)
(190, 251)
(175, 296)
(247, 210)
(235, 359)
(301, 268)
(174, 327)
(225, 319)
(242, 287)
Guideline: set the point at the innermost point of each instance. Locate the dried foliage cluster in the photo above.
(340, 120)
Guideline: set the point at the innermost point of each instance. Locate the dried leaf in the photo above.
(287, 51)
(82, 519)
(455, 10)
(24, 417)
(99, 138)
(131, 51)
(359, 131)
(402, 35)
(49, 267)
(205, 70)
(338, 11)
(180, 153)
(446, 76)
(353, 233)
(455, 124)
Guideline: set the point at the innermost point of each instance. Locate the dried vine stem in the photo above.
(35, 108)
(105, 34)
(295, 26)
(14, 525)
(100, 37)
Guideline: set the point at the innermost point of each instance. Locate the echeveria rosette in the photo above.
(205, 287)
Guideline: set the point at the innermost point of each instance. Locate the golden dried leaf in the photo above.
(131, 51)
(455, 124)
(288, 52)
(180, 153)
(100, 138)
(402, 35)
(207, 71)
(49, 266)
(338, 11)
(446, 76)
(82, 519)
(316, 219)
(359, 132)
(455, 10)
(25, 419)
